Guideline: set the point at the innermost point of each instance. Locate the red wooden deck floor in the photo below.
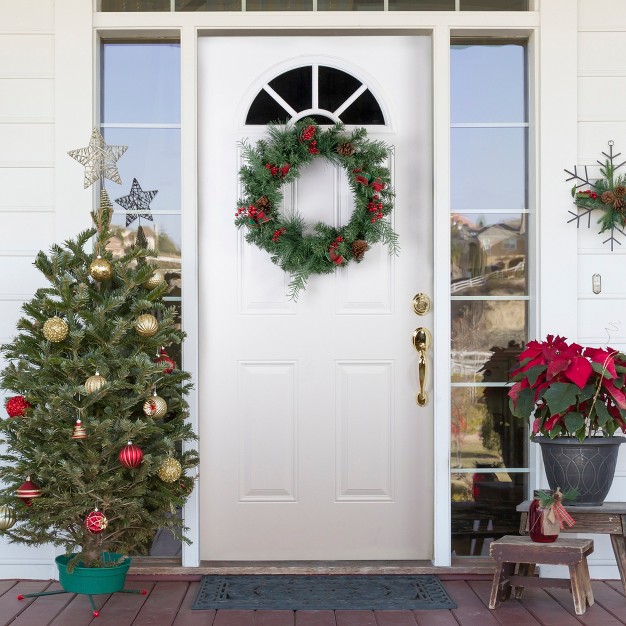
(169, 604)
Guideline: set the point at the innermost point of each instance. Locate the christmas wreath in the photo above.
(279, 160)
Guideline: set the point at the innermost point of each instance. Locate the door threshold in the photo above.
(171, 567)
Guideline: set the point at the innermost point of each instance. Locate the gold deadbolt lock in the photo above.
(421, 303)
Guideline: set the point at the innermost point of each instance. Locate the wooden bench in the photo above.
(512, 551)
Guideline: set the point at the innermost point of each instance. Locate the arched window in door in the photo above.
(326, 94)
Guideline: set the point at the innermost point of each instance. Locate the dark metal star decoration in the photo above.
(137, 200)
(99, 159)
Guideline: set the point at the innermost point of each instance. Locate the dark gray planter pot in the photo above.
(588, 467)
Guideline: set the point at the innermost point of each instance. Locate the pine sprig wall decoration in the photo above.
(279, 160)
(78, 474)
(607, 194)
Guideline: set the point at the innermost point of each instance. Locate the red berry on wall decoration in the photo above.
(16, 406)
(27, 491)
(130, 455)
(96, 521)
(167, 362)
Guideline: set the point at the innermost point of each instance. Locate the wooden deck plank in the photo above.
(161, 606)
(274, 618)
(79, 612)
(509, 612)
(10, 606)
(609, 599)
(6, 585)
(546, 609)
(355, 618)
(471, 611)
(395, 618)
(122, 609)
(615, 584)
(43, 610)
(315, 618)
(169, 604)
(232, 617)
(187, 616)
(438, 617)
(594, 615)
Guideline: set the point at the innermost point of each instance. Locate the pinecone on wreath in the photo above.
(263, 202)
(345, 149)
(359, 248)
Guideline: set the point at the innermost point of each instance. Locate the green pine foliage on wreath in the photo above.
(279, 160)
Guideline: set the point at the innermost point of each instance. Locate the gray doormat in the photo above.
(322, 592)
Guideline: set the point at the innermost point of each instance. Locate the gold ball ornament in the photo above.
(100, 269)
(95, 382)
(170, 470)
(55, 329)
(7, 517)
(156, 280)
(155, 407)
(146, 325)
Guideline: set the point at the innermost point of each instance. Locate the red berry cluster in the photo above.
(337, 259)
(376, 209)
(16, 406)
(277, 234)
(256, 215)
(308, 134)
(278, 171)
(587, 192)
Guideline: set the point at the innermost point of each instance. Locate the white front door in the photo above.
(312, 444)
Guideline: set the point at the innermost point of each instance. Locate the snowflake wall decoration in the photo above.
(607, 193)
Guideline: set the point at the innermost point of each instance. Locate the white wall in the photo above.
(26, 188)
(601, 81)
(43, 113)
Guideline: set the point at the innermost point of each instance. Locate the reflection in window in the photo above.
(489, 290)
(341, 97)
(488, 254)
(145, 116)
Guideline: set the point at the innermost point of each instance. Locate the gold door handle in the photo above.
(421, 343)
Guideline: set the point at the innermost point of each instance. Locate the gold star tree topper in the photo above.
(99, 159)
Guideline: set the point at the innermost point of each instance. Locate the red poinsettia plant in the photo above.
(571, 391)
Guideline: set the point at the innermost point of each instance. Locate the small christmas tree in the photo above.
(93, 456)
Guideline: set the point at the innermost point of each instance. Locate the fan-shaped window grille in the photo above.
(326, 94)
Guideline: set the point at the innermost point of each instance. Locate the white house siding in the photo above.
(601, 117)
(27, 216)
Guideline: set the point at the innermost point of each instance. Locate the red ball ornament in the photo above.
(16, 406)
(27, 491)
(130, 455)
(96, 521)
(167, 362)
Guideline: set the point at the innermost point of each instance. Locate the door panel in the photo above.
(312, 444)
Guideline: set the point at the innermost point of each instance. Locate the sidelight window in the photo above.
(489, 289)
(140, 108)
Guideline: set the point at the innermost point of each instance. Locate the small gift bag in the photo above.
(547, 516)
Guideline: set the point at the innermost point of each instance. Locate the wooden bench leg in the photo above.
(581, 586)
(523, 569)
(501, 586)
(588, 589)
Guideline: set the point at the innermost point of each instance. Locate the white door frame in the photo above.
(70, 71)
